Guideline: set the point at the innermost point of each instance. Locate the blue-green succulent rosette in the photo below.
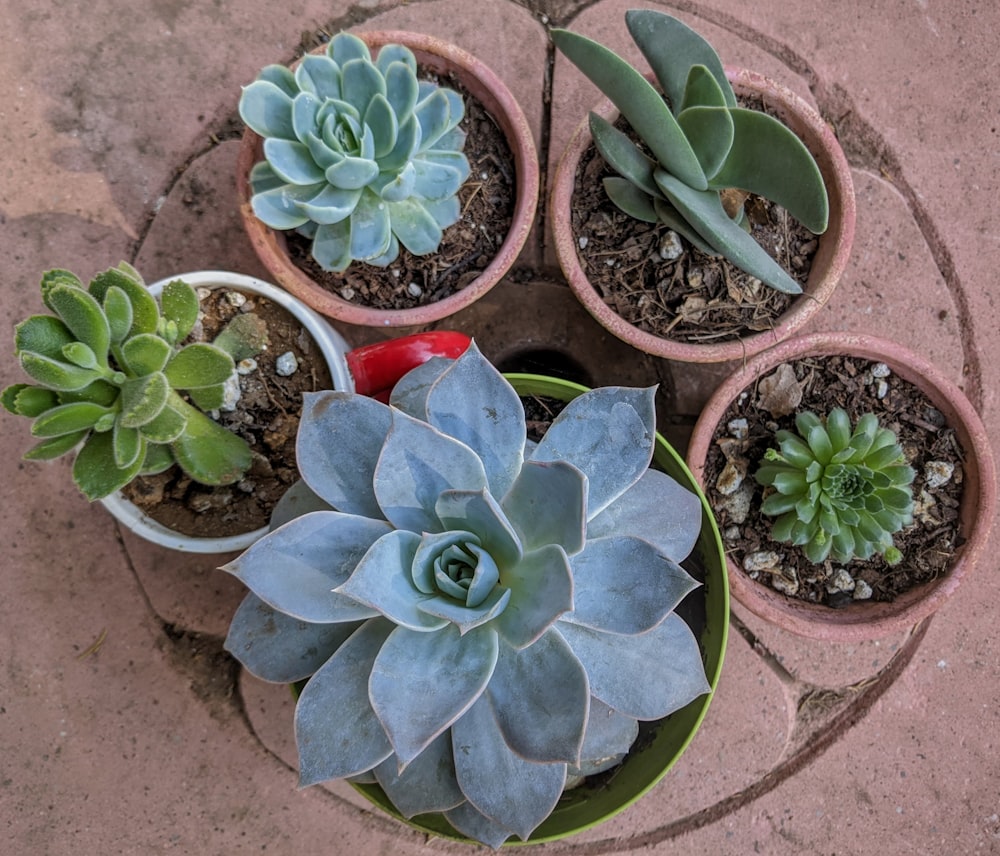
(478, 616)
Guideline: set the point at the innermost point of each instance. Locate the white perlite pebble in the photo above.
(730, 479)
(583, 241)
(203, 293)
(840, 581)
(670, 246)
(347, 292)
(881, 389)
(230, 393)
(762, 560)
(286, 365)
(235, 298)
(247, 366)
(938, 473)
(738, 428)
(881, 370)
(786, 585)
(414, 290)
(862, 591)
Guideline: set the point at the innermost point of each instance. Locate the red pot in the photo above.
(865, 619)
(441, 58)
(828, 263)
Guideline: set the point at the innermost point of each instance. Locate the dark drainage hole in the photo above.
(546, 362)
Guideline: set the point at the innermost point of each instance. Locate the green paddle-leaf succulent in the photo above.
(699, 143)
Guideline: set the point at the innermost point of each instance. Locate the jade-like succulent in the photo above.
(838, 493)
(698, 145)
(109, 373)
(360, 155)
(478, 616)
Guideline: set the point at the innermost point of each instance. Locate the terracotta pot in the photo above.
(828, 263)
(441, 58)
(865, 619)
(370, 370)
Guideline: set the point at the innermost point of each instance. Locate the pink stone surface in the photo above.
(121, 737)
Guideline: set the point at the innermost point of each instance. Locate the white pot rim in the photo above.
(333, 347)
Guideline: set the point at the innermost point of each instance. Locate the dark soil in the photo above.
(267, 417)
(927, 545)
(488, 198)
(693, 298)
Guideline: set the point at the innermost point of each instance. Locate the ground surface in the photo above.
(122, 727)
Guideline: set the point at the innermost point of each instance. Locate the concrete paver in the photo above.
(121, 728)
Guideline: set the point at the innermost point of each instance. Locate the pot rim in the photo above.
(333, 347)
(865, 620)
(828, 264)
(487, 87)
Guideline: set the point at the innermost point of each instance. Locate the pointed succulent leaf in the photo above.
(434, 115)
(381, 119)
(622, 155)
(293, 162)
(166, 427)
(536, 518)
(143, 398)
(56, 374)
(638, 102)
(344, 47)
(206, 451)
(448, 672)
(411, 391)
(207, 398)
(514, 792)
(396, 186)
(541, 587)
(417, 464)
(704, 211)
(473, 824)
(128, 444)
(360, 81)
(68, 419)
(94, 470)
(279, 648)
(623, 584)
(280, 77)
(57, 277)
(339, 441)
(99, 392)
(197, 365)
(44, 335)
(317, 552)
(318, 75)
(427, 784)
(609, 734)
(332, 245)
(768, 159)
(702, 90)
(80, 355)
(446, 212)
(352, 173)
(452, 159)
(407, 143)
(672, 219)
(53, 447)
(145, 354)
(435, 181)
(24, 399)
(540, 697)
(414, 227)
(371, 231)
(267, 110)
(710, 132)
(630, 199)
(672, 48)
(145, 311)
(330, 205)
(352, 740)
(279, 208)
(608, 435)
(84, 318)
(657, 509)
(382, 580)
(631, 674)
(473, 403)
(401, 88)
(179, 304)
(466, 618)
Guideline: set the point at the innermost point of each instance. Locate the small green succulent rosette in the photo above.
(359, 154)
(839, 492)
(478, 616)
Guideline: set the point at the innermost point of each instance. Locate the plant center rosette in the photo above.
(479, 617)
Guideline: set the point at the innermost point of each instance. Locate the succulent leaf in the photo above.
(539, 521)
(67, 419)
(95, 470)
(426, 784)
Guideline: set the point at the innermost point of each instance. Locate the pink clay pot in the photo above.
(828, 263)
(863, 620)
(440, 58)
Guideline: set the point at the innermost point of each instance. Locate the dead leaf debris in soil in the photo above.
(858, 386)
(267, 417)
(467, 248)
(658, 282)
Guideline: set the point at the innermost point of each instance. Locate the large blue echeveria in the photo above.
(478, 616)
